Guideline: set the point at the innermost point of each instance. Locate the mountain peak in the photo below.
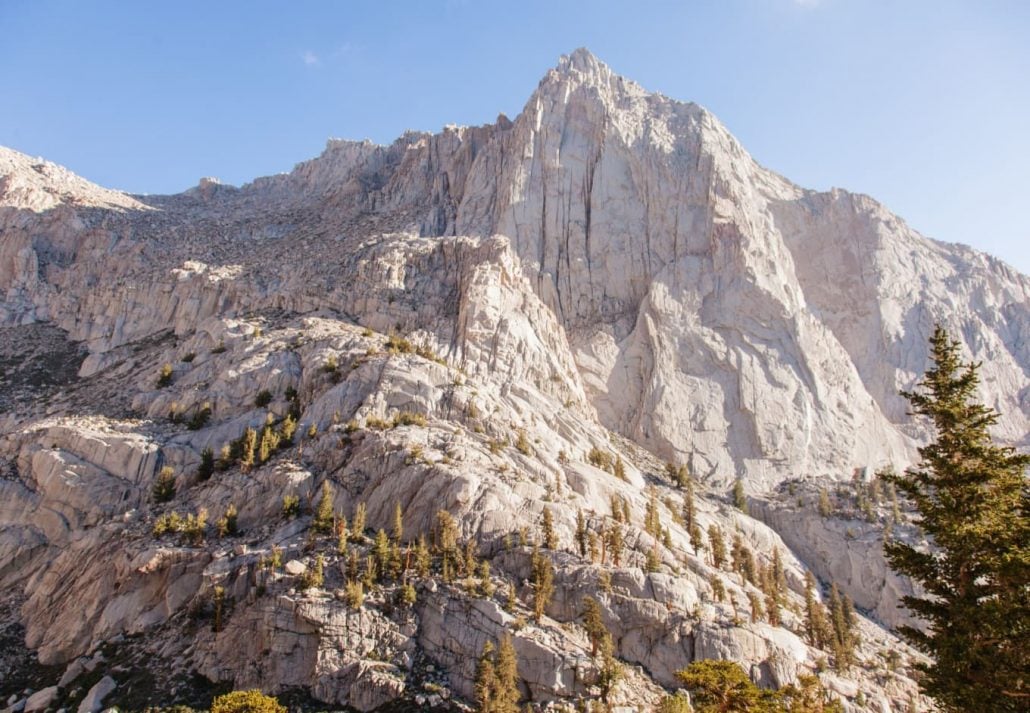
(583, 61)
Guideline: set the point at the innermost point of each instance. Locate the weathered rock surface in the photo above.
(489, 322)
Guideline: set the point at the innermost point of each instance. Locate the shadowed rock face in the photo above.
(609, 272)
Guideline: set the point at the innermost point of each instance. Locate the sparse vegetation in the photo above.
(164, 486)
(164, 377)
(246, 702)
(263, 398)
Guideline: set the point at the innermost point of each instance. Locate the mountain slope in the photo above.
(482, 321)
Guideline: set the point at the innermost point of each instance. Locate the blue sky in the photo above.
(923, 105)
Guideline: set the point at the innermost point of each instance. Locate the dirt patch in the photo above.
(36, 362)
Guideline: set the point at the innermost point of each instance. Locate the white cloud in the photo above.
(310, 59)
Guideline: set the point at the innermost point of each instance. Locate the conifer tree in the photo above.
(593, 623)
(550, 538)
(689, 514)
(358, 522)
(247, 446)
(973, 503)
(507, 696)
(543, 583)
(398, 523)
(323, 520)
(717, 544)
(486, 680)
(581, 533)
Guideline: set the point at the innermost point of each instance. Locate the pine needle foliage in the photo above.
(972, 502)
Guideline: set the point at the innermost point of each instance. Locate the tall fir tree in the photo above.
(973, 504)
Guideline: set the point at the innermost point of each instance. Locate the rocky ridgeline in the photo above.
(483, 328)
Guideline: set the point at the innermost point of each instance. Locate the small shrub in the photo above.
(200, 417)
(246, 702)
(164, 486)
(195, 526)
(312, 430)
(228, 525)
(331, 365)
(291, 506)
(600, 459)
(522, 443)
(366, 332)
(219, 349)
(290, 393)
(207, 465)
(164, 378)
(188, 357)
(263, 398)
(398, 345)
(314, 576)
(407, 596)
(376, 423)
(408, 418)
(354, 594)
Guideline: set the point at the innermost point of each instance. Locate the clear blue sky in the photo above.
(923, 105)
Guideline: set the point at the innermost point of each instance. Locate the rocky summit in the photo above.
(330, 433)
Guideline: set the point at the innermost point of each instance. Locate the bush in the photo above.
(263, 398)
(246, 702)
(408, 418)
(291, 506)
(207, 464)
(164, 486)
(188, 357)
(398, 345)
(165, 376)
(600, 459)
(200, 417)
(219, 349)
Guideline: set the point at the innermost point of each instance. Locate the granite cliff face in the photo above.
(472, 322)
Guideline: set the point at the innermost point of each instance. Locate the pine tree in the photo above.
(207, 465)
(323, 520)
(543, 584)
(247, 446)
(550, 538)
(358, 522)
(398, 523)
(507, 696)
(164, 486)
(581, 533)
(717, 544)
(973, 503)
(689, 514)
(486, 680)
(593, 623)
(739, 497)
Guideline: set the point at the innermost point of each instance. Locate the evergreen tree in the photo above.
(593, 623)
(581, 533)
(722, 686)
(507, 696)
(164, 486)
(973, 503)
(543, 584)
(207, 465)
(689, 514)
(323, 521)
(247, 446)
(739, 496)
(486, 680)
(550, 538)
(717, 544)
(398, 523)
(358, 522)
